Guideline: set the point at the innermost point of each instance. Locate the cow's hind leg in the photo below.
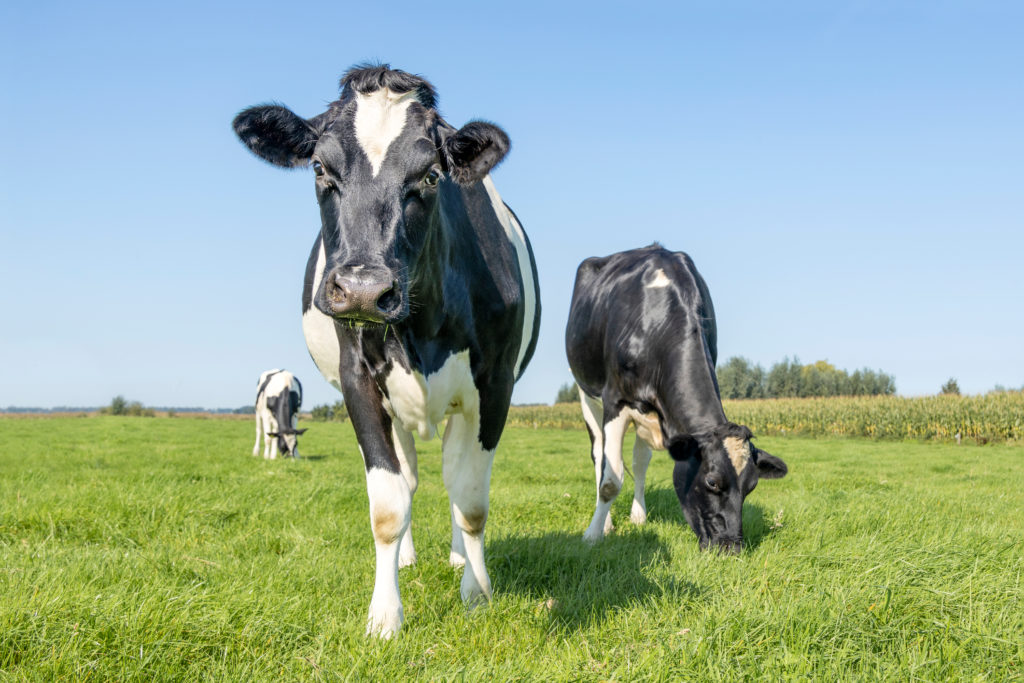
(641, 459)
(405, 449)
(467, 476)
(592, 417)
(609, 472)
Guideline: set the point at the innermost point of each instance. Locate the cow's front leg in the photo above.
(387, 488)
(641, 459)
(467, 476)
(609, 473)
(405, 449)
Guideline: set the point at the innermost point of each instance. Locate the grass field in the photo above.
(159, 549)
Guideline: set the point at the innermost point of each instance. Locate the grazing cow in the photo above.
(642, 346)
(420, 300)
(278, 398)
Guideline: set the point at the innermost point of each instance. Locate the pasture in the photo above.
(142, 549)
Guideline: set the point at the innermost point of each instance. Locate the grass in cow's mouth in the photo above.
(160, 549)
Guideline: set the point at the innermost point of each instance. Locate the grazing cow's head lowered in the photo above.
(382, 156)
(713, 474)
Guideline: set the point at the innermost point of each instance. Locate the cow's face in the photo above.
(287, 439)
(712, 476)
(382, 158)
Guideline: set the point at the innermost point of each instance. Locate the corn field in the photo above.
(990, 418)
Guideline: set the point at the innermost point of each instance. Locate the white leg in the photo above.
(592, 412)
(273, 447)
(457, 556)
(467, 476)
(259, 430)
(641, 459)
(390, 508)
(609, 478)
(405, 448)
(268, 426)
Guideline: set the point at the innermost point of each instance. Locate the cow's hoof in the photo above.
(638, 515)
(384, 623)
(473, 594)
(406, 558)
(593, 536)
(456, 560)
(608, 526)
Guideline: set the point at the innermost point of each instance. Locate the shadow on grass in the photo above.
(575, 583)
(312, 457)
(663, 506)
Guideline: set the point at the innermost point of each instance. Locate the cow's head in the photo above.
(382, 158)
(287, 440)
(714, 472)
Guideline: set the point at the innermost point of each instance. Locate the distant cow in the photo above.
(278, 399)
(641, 342)
(420, 300)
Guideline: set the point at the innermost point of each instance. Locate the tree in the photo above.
(950, 388)
(118, 406)
(567, 393)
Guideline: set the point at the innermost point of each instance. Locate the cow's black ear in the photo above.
(684, 447)
(472, 151)
(768, 466)
(275, 134)
(300, 432)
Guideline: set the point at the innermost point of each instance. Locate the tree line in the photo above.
(739, 378)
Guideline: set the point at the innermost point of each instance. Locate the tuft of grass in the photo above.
(160, 549)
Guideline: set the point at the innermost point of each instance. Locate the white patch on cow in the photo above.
(641, 459)
(660, 280)
(420, 403)
(405, 449)
(648, 428)
(318, 329)
(390, 510)
(517, 237)
(380, 117)
(739, 453)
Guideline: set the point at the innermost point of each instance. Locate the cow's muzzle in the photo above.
(372, 299)
(726, 545)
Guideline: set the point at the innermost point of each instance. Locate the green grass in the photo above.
(142, 549)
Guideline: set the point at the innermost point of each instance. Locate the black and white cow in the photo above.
(420, 300)
(278, 399)
(641, 341)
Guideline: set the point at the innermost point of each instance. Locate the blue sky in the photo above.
(848, 176)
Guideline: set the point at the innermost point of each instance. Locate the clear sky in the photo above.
(848, 177)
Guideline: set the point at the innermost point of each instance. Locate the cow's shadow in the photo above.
(663, 505)
(574, 584)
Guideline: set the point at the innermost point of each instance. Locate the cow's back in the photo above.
(629, 311)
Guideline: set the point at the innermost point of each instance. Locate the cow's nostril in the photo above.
(389, 300)
(338, 291)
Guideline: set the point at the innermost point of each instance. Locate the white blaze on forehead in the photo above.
(380, 117)
(739, 453)
(515, 235)
(660, 280)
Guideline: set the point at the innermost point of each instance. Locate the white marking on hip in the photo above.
(515, 235)
(380, 117)
(318, 329)
(660, 280)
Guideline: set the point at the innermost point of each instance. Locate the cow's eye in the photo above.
(431, 178)
(318, 168)
(713, 484)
